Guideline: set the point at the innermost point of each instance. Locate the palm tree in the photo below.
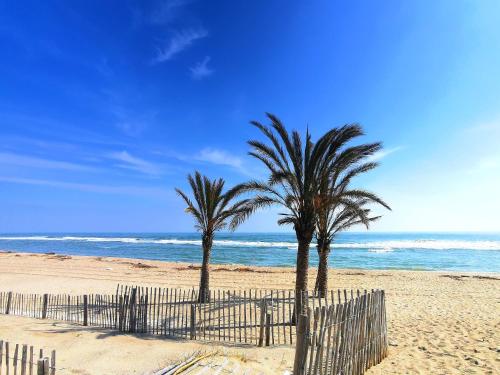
(213, 210)
(332, 222)
(337, 207)
(295, 167)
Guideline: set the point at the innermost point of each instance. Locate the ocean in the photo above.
(406, 251)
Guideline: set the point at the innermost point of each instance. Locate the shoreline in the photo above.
(244, 267)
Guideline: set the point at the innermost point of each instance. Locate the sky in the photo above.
(105, 107)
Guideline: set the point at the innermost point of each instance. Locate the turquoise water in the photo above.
(415, 251)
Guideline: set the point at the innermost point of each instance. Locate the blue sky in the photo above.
(106, 106)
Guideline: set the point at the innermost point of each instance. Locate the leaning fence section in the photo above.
(346, 338)
(253, 316)
(25, 360)
(260, 317)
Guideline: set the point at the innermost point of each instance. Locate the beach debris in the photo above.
(485, 277)
(393, 343)
(184, 365)
(61, 257)
(142, 265)
(224, 269)
(240, 269)
(460, 277)
(109, 269)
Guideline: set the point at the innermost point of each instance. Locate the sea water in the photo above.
(410, 251)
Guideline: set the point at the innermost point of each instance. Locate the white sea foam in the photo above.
(375, 246)
(385, 250)
(424, 244)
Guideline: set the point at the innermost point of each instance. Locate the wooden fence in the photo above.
(259, 317)
(341, 333)
(24, 360)
(346, 338)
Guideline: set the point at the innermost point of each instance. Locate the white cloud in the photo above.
(181, 40)
(34, 162)
(92, 188)
(134, 163)
(382, 154)
(201, 69)
(220, 157)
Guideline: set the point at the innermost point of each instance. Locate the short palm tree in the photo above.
(213, 210)
(329, 225)
(295, 167)
(338, 207)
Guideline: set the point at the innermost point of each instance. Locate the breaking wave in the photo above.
(373, 246)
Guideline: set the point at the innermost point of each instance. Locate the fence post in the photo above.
(268, 328)
(263, 309)
(45, 304)
(85, 310)
(146, 304)
(193, 322)
(121, 314)
(52, 366)
(132, 310)
(43, 366)
(9, 300)
(301, 346)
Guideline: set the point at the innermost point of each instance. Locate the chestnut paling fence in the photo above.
(343, 332)
(25, 360)
(345, 338)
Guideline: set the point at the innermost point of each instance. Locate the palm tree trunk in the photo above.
(321, 286)
(204, 294)
(302, 268)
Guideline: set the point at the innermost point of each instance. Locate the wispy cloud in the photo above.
(492, 127)
(92, 188)
(130, 111)
(128, 161)
(221, 157)
(383, 153)
(211, 155)
(489, 163)
(166, 11)
(157, 13)
(131, 123)
(179, 42)
(201, 69)
(34, 162)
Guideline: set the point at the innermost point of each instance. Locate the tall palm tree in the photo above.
(338, 207)
(213, 210)
(295, 167)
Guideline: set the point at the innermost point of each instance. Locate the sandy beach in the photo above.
(438, 322)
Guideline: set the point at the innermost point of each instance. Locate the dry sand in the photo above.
(439, 322)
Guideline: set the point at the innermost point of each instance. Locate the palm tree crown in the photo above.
(296, 167)
(338, 206)
(213, 210)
